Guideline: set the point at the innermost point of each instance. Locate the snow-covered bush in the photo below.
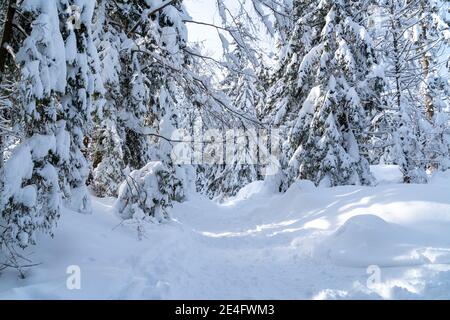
(108, 161)
(30, 197)
(148, 192)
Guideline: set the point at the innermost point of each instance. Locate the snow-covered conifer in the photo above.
(332, 88)
(410, 130)
(83, 87)
(31, 198)
(240, 164)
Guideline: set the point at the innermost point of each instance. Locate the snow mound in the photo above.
(386, 174)
(302, 186)
(256, 189)
(366, 240)
(441, 178)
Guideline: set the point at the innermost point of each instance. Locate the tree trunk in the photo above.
(425, 62)
(6, 31)
(395, 25)
(429, 107)
(6, 36)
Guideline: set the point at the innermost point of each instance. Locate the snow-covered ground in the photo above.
(390, 241)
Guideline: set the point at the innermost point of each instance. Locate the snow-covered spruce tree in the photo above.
(150, 103)
(410, 131)
(428, 35)
(169, 110)
(331, 74)
(172, 109)
(171, 115)
(284, 98)
(203, 115)
(243, 64)
(283, 101)
(84, 85)
(241, 163)
(431, 39)
(107, 143)
(139, 82)
(155, 109)
(30, 197)
(120, 139)
(135, 111)
(397, 134)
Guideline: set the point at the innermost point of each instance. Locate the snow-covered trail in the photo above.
(307, 243)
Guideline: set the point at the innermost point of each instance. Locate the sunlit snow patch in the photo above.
(365, 240)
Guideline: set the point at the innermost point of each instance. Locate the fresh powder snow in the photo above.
(309, 243)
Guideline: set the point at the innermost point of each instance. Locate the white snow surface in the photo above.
(309, 243)
(387, 173)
